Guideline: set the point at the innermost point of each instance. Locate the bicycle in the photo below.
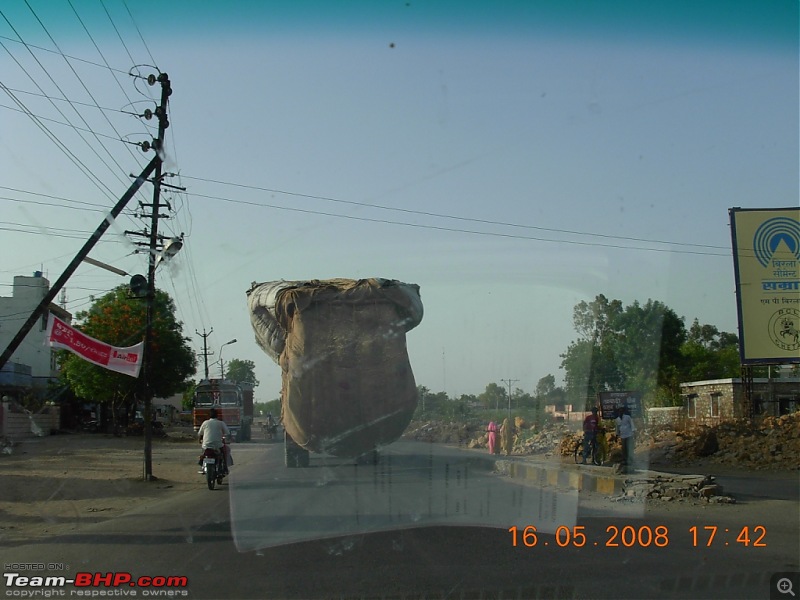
(597, 448)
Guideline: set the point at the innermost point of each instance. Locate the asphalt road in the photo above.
(425, 522)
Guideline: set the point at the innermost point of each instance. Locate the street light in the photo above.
(221, 362)
(170, 249)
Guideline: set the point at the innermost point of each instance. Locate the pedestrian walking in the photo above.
(506, 436)
(492, 431)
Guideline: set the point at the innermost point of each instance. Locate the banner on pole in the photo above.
(127, 361)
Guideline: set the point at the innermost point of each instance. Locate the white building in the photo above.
(32, 353)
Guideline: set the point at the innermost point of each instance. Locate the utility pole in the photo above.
(147, 362)
(205, 354)
(509, 383)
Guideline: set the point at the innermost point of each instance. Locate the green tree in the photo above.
(633, 347)
(643, 347)
(241, 371)
(120, 320)
(493, 396)
(648, 345)
(709, 353)
(546, 386)
(187, 400)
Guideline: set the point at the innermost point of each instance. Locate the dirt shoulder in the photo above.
(62, 483)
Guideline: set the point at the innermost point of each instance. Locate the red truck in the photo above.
(231, 403)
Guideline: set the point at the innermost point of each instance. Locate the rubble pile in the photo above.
(444, 433)
(679, 487)
(774, 443)
(548, 441)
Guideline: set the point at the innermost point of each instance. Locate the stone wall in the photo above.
(17, 423)
(667, 416)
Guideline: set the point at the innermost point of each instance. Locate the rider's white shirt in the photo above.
(212, 431)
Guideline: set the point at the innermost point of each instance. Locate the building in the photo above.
(710, 402)
(32, 365)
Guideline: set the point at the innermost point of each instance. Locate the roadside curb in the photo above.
(577, 477)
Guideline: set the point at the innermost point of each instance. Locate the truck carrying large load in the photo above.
(347, 387)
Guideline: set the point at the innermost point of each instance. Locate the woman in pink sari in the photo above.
(492, 429)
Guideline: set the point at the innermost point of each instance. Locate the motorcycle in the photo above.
(214, 465)
(89, 425)
(270, 430)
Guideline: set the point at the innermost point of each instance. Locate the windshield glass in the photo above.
(224, 398)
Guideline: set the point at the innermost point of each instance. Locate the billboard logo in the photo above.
(771, 234)
(131, 357)
(784, 329)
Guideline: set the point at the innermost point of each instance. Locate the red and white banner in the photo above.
(127, 361)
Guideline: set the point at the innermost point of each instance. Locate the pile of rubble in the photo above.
(772, 443)
(441, 432)
(678, 487)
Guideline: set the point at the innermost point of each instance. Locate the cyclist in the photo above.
(590, 425)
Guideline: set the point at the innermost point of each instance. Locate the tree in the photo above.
(709, 353)
(643, 347)
(493, 396)
(241, 371)
(120, 321)
(187, 400)
(590, 361)
(545, 386)
(634, 347)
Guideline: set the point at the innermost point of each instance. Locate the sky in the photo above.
(512, 159)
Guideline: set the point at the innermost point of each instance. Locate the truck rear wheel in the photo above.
(296, 456)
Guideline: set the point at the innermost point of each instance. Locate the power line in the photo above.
(52, 197)
(436, 215)
(116, 138)
(43, 49)
(83, 84)
(467, 231)
(141, 37)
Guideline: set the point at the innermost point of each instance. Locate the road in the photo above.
(425, 522)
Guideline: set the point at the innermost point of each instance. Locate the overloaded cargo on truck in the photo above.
(347, 384)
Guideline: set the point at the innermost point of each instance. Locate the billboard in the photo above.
(611, 401)
(766, 258)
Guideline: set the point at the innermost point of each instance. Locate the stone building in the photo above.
(711, 402)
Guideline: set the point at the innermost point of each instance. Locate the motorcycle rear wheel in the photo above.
(210, 476)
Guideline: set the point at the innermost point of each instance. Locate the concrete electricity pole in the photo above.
(509, 383)
(205, 354)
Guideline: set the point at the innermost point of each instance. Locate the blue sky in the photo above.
(511, 158)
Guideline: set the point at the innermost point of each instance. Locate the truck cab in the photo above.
(227, 398)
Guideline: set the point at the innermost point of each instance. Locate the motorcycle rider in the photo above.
(211, 435)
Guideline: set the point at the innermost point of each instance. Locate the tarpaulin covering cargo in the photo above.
(347, 384)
